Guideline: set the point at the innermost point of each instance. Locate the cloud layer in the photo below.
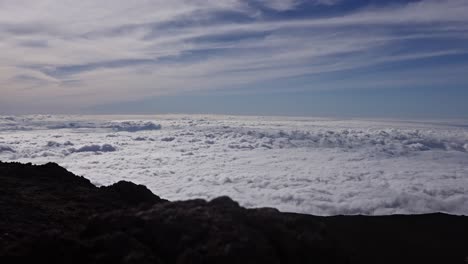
(317, 166)
(69, 55)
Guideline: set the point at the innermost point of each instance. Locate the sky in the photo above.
(257, 57)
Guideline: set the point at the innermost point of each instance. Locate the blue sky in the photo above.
(277, 57)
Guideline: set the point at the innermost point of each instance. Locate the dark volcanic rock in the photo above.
(50, 214)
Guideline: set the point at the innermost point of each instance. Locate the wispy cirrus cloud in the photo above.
(90, 52)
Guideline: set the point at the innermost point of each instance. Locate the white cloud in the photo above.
(94, 148)
(317, 166)
(280, 5)
(6, 149)
(74, 54)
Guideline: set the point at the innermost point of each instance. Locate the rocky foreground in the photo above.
(49, 214)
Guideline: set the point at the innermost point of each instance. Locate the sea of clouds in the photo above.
(307, 165)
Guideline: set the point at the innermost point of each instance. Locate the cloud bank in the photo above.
(316, 166)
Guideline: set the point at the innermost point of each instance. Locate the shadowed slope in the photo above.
(50, 214)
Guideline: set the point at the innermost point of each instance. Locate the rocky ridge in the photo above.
(48, 213)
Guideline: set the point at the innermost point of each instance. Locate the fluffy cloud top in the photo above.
(317, 166)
